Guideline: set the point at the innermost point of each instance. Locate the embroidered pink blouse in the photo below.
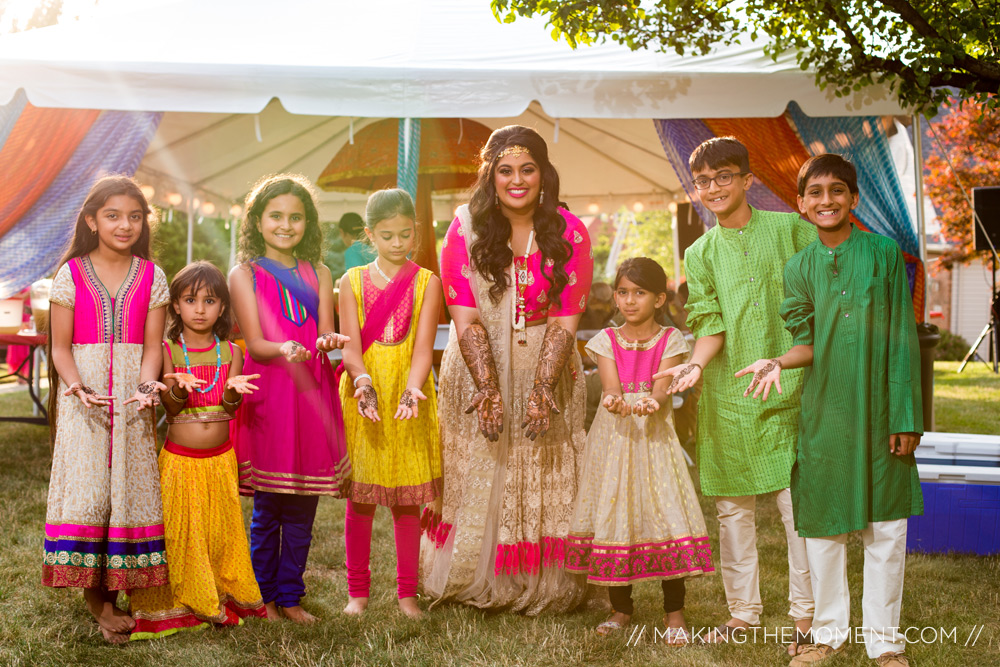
(456, 273)
(398, 326)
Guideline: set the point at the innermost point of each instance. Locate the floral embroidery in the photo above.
(444, 243)
(583, 302)
(690, 556)
(452, 294)
(577, 236)
(543, 297)
(549, 262)
(592, 252)
(466, 271)
(572, 278)
(531, 279)
(632, 387)
(461, 231)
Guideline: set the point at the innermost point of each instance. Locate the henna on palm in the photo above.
(149, 389)
(557, 346)
(487, 402)
(369, 399)
(407, 400)
(688, 369)
(759, 375)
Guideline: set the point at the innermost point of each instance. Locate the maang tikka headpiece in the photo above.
(515, 150)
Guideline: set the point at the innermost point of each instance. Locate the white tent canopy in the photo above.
(216, 67)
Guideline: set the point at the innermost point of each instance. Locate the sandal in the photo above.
(802, 639)
(609, 628)
(676, 637)
(724, 634)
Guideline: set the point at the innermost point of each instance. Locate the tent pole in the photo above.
(190, 221)
(918, 168)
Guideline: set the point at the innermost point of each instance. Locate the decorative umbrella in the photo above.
(449, 157)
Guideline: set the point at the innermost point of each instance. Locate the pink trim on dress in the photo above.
(624, 564)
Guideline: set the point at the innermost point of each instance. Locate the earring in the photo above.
(93, 232)
(541, 197)
(497, 198)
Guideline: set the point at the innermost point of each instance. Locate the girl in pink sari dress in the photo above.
(289, 435)
(104, 521)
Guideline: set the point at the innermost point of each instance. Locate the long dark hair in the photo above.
(648, 275)
(191, 279)
(491, 254)
(251, 245)
(85, 242)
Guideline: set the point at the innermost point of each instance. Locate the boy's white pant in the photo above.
(739, 564)
(885, 557)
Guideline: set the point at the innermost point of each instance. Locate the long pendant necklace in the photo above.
(218, 364)
(378, 268)
(520, 284)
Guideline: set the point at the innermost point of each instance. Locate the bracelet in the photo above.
(361, 377)
(235, 403)
(176, 397)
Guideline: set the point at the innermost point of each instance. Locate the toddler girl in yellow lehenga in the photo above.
(211, 579)
(389, 310)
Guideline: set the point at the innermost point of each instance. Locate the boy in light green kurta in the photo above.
(745, 448)
(849, 310)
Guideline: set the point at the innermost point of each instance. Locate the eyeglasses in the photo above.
(722, 179)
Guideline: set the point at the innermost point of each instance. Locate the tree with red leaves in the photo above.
(970, 135)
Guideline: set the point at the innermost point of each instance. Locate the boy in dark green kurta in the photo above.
(849, 310)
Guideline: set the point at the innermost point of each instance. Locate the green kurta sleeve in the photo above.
(905, 399)
(703, 307)
(797, 308)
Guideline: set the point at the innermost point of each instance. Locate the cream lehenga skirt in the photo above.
(498, 539)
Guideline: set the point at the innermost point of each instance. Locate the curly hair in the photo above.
(490, 252)
(190, 279)
(251, 245)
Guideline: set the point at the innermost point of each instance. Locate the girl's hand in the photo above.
(147, 394)
(186, 381)
(684, 377)
(616, 405)
(88, 396)
(766, 372)
(646, 405)
(241, 383)
(407, 408)
(367, 402)
(330, 341)
(294, 351)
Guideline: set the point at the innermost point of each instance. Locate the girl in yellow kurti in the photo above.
(389, 309)
(211, 578)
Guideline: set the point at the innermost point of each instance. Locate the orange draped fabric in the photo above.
(37, 149)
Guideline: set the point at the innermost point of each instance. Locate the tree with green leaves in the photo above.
(916, 47)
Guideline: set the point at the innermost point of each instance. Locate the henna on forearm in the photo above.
(487, 402)
(557, 346)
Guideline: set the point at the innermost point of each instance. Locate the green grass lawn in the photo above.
(966, 402)
(40, 626)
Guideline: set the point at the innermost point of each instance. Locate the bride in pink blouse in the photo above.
(516, 270)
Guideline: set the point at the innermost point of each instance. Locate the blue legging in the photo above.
(280, 534)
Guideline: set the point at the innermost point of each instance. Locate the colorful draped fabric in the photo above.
(779, 146)
(49, 159)
(104, 520)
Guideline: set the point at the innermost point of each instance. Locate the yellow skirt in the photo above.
(211, 578)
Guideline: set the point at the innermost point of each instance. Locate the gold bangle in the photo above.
(176, 397)
(235, 403)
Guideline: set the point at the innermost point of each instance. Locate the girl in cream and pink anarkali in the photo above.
(637, 516)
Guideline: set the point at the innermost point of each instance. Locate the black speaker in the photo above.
(689, 227)
(986, 203)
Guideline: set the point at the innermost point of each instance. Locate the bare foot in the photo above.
(273, 614)
(107, 615)
(114, 637)
(356, 606)
(409, 607)
(297, 614)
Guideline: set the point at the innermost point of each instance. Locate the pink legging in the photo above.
(358, 543)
